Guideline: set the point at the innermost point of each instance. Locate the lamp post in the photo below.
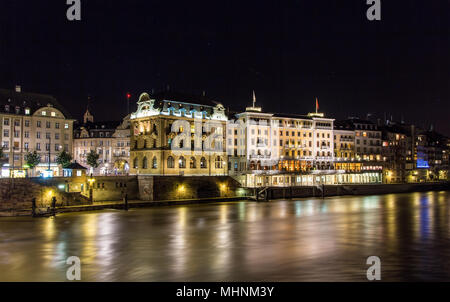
(49, 151)
(91, 181)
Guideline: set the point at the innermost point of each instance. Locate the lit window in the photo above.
(66, 126)
(27, 111)
(78, 173)
(44, 112)
(53, 114)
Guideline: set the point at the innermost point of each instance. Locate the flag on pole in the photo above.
(317, 105)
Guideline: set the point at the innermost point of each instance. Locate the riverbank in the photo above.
(119, 205)
(269, 193)
(341, 190)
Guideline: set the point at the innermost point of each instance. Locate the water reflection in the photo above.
(296, 240)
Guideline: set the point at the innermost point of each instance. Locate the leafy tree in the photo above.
(32, 159)
(92, 159)
(64, 159)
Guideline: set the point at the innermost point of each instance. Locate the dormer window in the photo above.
(53, 113)
(17, 109)
(44, 113)
(27, 111)
(7, 108)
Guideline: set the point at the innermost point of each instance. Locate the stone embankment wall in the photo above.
(337, 190)
(16, 196)
(187, 187)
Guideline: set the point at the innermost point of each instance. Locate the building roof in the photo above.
(183, 98)
(24, 100)
(292, 115)
(75, 166)
(396, 129)
(344, 125)
(100, 126)
(357, 120)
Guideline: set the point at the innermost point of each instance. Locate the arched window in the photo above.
(144, 163)
(193, 163)
(203, 164)
(170, 162)
(135, 163)
(218, 162)
(154, 163)
(182, 162)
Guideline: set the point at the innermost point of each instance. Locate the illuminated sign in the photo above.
(47, 173)
(422, 164)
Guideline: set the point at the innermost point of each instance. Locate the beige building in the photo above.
(32, 122)
(344, 147)
(110, 140)
(157, 150)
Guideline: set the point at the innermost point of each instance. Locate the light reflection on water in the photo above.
(296, 240)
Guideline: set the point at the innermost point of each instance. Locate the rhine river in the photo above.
(283, 240)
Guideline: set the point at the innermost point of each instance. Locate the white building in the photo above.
(268, 149)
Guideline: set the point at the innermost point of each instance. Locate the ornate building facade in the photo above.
(175, 134)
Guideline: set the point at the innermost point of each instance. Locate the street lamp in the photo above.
(91, 182)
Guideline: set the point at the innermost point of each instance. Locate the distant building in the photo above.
(110, 140)
(396, 153)
(32, 122)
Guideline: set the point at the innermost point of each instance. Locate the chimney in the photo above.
(18, 88)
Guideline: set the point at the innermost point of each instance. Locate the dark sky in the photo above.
(289, 52)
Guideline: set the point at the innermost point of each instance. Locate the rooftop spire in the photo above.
(88, 117)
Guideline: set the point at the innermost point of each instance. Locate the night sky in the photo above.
(289, 52)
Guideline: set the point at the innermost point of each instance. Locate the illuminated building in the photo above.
(195, 148)
(395, 154)
(269, 149)
(344, 147)
(367, 140)
(110, 140)
(32, 122)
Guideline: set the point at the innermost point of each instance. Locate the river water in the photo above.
(282, 240)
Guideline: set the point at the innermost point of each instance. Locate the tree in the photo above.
(92, 159)
(64, 159)
(32, 159)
